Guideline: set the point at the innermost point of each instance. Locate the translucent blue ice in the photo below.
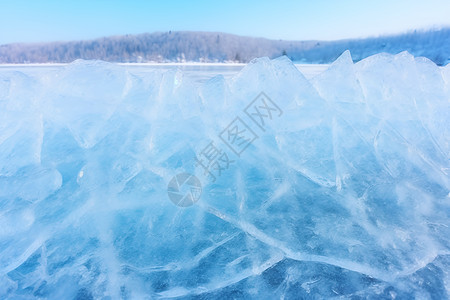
(342, 191)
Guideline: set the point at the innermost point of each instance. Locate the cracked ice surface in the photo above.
(345, 194)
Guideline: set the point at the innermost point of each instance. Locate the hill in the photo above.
(221, 47)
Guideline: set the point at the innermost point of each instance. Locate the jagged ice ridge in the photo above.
(344, 192)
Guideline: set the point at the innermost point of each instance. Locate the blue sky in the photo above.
(51, 20)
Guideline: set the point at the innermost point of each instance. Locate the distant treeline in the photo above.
(222, 47)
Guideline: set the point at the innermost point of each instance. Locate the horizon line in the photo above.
(409, 31)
